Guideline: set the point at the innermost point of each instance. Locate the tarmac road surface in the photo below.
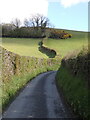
(39, 99)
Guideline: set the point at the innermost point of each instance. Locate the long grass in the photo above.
(75, 91)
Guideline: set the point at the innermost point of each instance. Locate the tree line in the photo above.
(38, 26)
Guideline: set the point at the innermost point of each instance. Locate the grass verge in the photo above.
(12, 88)
(72, 78)
(18, 70)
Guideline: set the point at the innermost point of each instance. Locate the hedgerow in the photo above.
(72, 77)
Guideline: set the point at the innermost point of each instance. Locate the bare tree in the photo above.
(16, 23)
(26, 23)
(37, 21)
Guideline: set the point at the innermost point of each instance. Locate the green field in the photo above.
(23, 46)
(29, 47)
(65, 46)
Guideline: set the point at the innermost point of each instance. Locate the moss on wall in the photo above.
(18, 70)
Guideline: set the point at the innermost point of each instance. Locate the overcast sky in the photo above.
(60, 12)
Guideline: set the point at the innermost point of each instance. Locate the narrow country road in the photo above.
(39, 99)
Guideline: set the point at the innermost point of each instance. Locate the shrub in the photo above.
(59, 34)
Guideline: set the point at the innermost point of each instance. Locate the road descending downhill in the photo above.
(39, 99)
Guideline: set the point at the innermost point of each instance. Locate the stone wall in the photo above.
(14, 64)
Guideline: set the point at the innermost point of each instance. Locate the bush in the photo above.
(23, 32)
(59, 34)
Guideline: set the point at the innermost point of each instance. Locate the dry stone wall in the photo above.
(14, 64)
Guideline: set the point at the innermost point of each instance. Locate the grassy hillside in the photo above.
(77, 34)
(29, 47)
(23, 46)
(65, 46)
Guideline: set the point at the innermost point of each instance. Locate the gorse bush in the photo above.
(57, 34)
(67, 36)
